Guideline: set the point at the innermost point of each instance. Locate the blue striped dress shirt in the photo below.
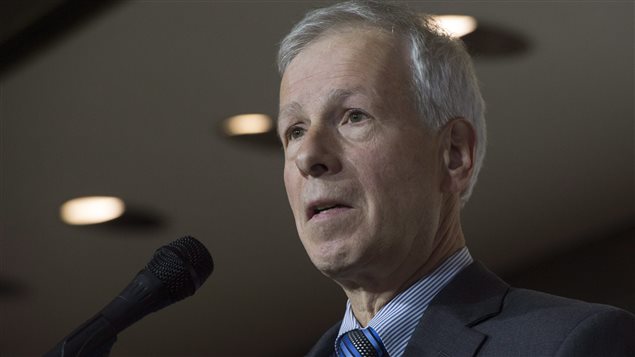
(396, 321)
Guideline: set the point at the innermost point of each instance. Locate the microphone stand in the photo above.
(85, 341)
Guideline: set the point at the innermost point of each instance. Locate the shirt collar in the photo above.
(397, 320)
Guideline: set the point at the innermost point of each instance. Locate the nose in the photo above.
(318, 154)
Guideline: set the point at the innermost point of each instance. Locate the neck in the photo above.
(368, 296)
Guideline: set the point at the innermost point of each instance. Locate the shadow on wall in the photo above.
(602, 271)
(30, 26)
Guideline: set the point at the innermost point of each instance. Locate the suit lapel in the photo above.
(325, 347)
(445, 329)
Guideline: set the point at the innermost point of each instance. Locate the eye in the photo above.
(294, 132)
(355, 116)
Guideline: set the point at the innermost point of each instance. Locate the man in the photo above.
(381, 120)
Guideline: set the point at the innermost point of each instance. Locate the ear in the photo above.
(459, 142)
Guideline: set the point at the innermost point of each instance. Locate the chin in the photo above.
(336, 266)
(331, 263)
(335, 257)
(332, 270)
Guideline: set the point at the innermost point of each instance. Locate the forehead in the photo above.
(347, 60)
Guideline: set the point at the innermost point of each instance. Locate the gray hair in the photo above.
(443, 78)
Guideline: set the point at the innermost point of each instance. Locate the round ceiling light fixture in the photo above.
(91, 210)
(456, 25)
(248, 124)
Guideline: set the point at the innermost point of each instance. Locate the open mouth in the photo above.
(321, 208)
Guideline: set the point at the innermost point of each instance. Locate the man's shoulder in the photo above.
(532, 301)
(555, 325)
(552, 310)
(504, 320)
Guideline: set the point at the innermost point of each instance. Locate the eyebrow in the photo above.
(336, 95)
(291, 109)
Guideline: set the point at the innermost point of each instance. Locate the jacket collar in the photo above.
(473, 296)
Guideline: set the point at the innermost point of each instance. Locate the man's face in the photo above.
(362, 172)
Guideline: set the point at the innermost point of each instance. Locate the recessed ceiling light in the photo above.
(248, 124)
(91, 210)
(456, 25)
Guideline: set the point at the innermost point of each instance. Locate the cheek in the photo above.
(292, 187)
(398, 182)
(383, 188)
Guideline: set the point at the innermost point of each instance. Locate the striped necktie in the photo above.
(361, 343)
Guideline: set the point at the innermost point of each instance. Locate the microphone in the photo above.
(175, 272)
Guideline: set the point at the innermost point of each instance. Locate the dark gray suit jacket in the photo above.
(477, 314)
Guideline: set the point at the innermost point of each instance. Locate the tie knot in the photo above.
(361, 343)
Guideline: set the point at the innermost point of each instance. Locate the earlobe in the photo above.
(459, 142)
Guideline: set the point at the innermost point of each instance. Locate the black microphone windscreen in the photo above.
(182, 266)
